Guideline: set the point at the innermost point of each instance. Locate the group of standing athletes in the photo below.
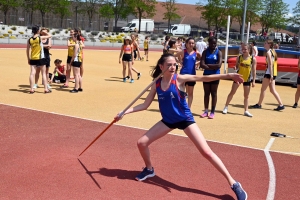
(192, 56)
(38, 56)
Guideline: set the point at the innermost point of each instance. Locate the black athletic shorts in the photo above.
(191, 83)
(247, 83)
(145, 49)
(69, 59)
(212, 82)
(47, 60)
(269, 76)
(38, 63)
(180, 125)
(298, 80)
(127, 57)
(76, 64)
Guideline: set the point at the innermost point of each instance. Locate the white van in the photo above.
(147, 25)
(277, 37)
(179, 29)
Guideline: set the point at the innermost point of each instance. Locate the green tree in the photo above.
(253, 7)
(142, 9)
(91, 8)
(29, 7)
(214, 12)
(171, 9)
(296, 14)
(44, 7)
(116, 9)
(273, 14)
(61, 8)
(6, 5)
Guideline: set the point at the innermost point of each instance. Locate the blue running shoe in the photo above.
(146, 173)
(239, 191)
(124, 80)
(131, 81)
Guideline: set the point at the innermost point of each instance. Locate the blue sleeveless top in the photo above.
(189, 61)
(172, 103)
(211, 58)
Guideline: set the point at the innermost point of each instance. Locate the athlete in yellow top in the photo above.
(270, 76)
(76, 62)
(146, 47)
(70, 43)
(245, 66)
(36, 57)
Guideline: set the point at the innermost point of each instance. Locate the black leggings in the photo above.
(210, 88)
(135, 54)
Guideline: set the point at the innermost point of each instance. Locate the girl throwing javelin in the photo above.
(127, 54)
(176, 114)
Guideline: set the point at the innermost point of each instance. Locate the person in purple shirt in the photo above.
(176, 114)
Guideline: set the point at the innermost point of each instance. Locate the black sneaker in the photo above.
(279, 108)
(256, 106)
(239, 191)
(295, 105)
(80, 89)
(74, 91)
(146, 173)
(139, 76)
(127, 77)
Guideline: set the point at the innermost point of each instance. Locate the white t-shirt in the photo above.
(254, 51)
(201, 46)
(183, 46)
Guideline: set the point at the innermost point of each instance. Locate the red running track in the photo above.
(39, 160)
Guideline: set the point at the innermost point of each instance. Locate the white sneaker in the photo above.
(246, 113)
(48, 86)
(35, 86)
(225, 110)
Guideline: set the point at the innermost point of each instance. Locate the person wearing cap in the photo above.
(200, 46)
(126, 55)
(36, 57)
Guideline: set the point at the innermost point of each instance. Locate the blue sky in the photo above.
(292, 3)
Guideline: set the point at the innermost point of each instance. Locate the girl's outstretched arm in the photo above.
(140, 107)
(187, 78)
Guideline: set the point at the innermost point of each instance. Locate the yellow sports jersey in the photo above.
(71, 48)
(78, 57)
(274, 63)
(37, 50)
(245, 67)
(146, 44)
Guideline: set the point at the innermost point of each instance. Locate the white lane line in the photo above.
(272, 174)
(175, 134)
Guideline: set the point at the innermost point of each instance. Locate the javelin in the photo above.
(122, 113)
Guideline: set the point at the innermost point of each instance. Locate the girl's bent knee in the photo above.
(141, 143)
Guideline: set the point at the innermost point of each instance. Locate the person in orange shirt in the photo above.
(126, 55)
